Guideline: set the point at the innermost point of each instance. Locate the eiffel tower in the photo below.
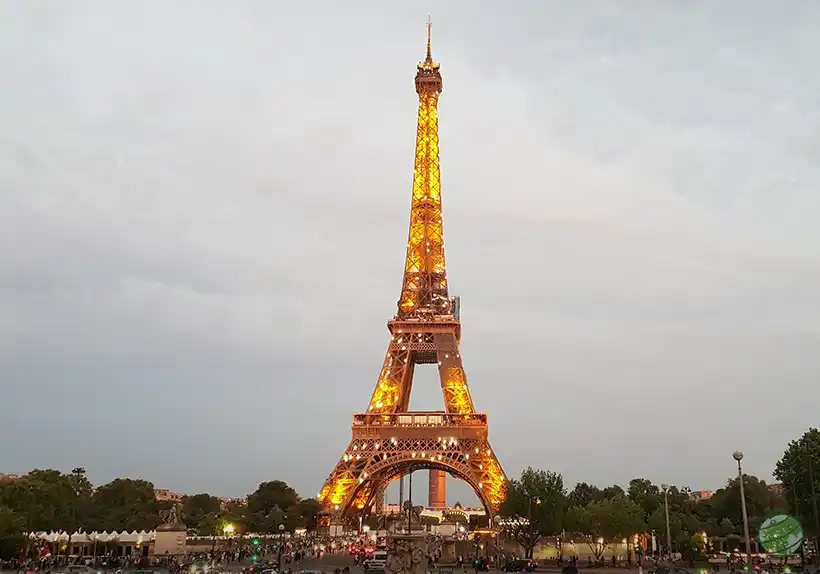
(389, 441)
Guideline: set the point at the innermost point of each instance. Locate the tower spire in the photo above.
(424, 291)
(429, 38)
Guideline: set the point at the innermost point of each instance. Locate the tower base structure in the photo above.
(385, 447)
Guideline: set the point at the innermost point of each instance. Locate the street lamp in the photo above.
(497, 521)
(738, 456)
(529, 519)
(279, 559)
(227, 530)
(666, 488)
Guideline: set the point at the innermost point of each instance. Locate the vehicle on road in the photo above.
(377, 561)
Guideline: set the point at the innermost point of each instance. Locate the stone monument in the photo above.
(407, 553)
(170, 535)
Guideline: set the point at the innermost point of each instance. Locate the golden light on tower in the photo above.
(387, 440)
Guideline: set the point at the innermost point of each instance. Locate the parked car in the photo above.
(377, 561)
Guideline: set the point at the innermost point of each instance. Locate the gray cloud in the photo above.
(203, 210)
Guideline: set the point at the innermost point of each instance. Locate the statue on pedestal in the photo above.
(407, 555)
(170, 538)
(172, 518)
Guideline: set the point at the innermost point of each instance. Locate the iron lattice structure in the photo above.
(388, 440)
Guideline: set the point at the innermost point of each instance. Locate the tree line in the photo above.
(50, 500)
(538, 505)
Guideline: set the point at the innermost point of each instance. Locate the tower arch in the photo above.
(363, 495)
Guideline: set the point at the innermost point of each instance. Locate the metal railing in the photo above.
(434, 419)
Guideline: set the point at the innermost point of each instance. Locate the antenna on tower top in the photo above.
(429, 37)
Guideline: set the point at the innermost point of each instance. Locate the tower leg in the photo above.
(438, 488)
(379, 506)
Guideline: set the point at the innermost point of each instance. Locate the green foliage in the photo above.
(125, 504)
(657, 523)
(606, 520)
(202, 513)
(645, 494)
(272, 504)
(51, 500)
(48, 499)
(534, 507)
(11, 523)
(760, 501)
(308, 510)
(584, 494)
(612, 491)
(796, 469)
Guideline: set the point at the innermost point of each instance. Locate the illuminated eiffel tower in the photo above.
(390, 441)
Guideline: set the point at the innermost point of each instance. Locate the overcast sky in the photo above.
(204, 210)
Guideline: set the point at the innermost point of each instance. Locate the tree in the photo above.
(606, 520)
(613, 491)
(44, 499)
(199, 506)
(657, 524)
(799, 471)
(12, 533)
(309, 509)
(760, 501)
(211, 524)
(534, 507)
(10, 522)
(125, 504)
(584, 494)
(272, 504)
(645, 494)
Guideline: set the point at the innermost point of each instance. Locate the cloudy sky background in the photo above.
(204, 208)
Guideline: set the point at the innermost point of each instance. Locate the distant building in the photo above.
(699, 495)
(165, 495)
(224, 502)
(8, 477)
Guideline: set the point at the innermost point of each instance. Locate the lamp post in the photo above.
(279, 558)
(738, 456)
(529, 521)
(666, 488)
(497, 521)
